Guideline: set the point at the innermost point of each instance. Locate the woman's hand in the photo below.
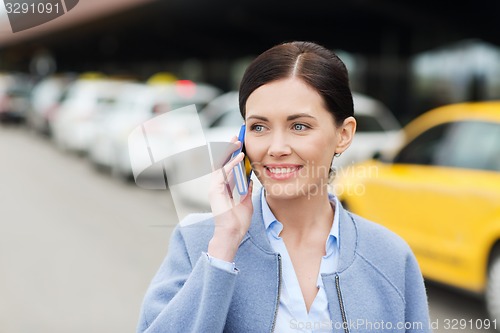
(232, 219)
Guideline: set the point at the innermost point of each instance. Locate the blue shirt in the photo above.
(292, 313)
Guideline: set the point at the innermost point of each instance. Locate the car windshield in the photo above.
(366, 123)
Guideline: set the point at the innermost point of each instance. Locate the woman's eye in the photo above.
(257, 128)
(299, 127)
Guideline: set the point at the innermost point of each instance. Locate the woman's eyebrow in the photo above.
(299, 115)
(258, 118)
(289, 118)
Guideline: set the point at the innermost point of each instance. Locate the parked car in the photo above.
(45, 98)
(217, 109)
(114, 126)
(15, 90)
(137, 104)
(377, 131)
(73, 125)
(441, 193)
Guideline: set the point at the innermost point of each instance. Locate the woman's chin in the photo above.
(284, 191)
(293, 190)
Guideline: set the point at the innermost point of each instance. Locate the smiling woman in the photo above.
(290, 257)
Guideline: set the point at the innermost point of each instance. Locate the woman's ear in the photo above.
(345, 134)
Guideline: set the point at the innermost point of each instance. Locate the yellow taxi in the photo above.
(441, 193)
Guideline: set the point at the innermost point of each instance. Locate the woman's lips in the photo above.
(282, 172)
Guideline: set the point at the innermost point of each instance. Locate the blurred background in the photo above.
(79, 240)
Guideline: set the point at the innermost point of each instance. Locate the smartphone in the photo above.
(242, 171)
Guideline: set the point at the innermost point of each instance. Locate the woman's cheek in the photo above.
(257, 168)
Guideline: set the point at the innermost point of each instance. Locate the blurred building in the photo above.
(213, 41)
(465, 71)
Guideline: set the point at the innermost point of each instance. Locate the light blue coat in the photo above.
(378, 286)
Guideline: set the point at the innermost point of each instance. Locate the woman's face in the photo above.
(291, 138)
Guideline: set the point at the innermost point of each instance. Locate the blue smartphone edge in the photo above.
(240, 177)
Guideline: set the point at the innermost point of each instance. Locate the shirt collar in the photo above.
(274, 227)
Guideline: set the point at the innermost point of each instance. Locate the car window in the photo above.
(367, 123)
(464, 144)
(424, 148)
(471, 145)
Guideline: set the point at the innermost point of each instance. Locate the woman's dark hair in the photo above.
(317, 66)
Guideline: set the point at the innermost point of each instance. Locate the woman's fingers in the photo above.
(235, 145)
(233, 162)
(223, 182)
(247, 200)
(225, 176)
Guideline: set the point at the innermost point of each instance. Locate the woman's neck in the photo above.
(303, 214)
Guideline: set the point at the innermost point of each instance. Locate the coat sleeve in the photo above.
(182, 298)
(417, 308)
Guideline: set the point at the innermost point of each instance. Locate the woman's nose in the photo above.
(279, 146)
